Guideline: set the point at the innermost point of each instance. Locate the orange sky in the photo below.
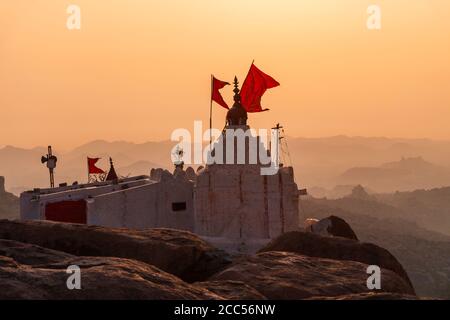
(139, 69)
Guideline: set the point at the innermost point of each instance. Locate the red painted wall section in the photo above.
(67, 211)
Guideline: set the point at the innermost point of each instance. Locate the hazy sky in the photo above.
(139, 69)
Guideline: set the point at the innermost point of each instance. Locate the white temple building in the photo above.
(225, 203)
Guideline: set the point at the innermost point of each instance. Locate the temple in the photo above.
(229, 202)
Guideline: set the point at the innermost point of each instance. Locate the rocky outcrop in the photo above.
(289, 276)
(159, 263)
(101, 277)
(180, 253)
(336, 248)
(232, 290)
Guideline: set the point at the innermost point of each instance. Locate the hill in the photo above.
(428, 208)
(406, 174)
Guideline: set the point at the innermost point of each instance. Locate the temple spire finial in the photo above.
(237, 96)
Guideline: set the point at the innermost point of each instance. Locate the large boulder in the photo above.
(177, 252)
(31, 272)
(289, 276)
(314, 245)
(332, 226)
(2, 185)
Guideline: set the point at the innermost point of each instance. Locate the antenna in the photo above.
(51, 160)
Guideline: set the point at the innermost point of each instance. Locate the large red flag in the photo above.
(92, 168)
(215, 94)
(255, 85)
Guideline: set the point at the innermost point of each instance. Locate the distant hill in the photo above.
(22, 167)
(424, 254)
(406, 174)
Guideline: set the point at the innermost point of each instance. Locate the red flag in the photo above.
(215, 94)
(255, 85)
(93, 169)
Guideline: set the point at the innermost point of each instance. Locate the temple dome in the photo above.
(237, 115)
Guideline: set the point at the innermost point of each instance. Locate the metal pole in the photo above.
(52, 179)
(210, 112)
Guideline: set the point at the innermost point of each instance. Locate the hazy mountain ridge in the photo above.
(429, 208)
(317, 161)
(23, 169)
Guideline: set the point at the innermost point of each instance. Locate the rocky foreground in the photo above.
(174, 264)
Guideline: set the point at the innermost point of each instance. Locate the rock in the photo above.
(232, 290)
(190, 174)
(2, 185)
(30, 254)
(308, 223)
(101, 278)
(289, 276)
(9, 203)
(180, 253)
(370, 296)
(332, 226)
(314, 245)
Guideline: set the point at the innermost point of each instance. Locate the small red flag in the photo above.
(255, 85)
(93, 169)
(215, 94)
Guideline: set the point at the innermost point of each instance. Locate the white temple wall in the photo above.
(120, 208)
(165, 204)
(238, 202)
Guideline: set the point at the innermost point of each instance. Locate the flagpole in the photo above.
(87, 164)
(210, 112)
